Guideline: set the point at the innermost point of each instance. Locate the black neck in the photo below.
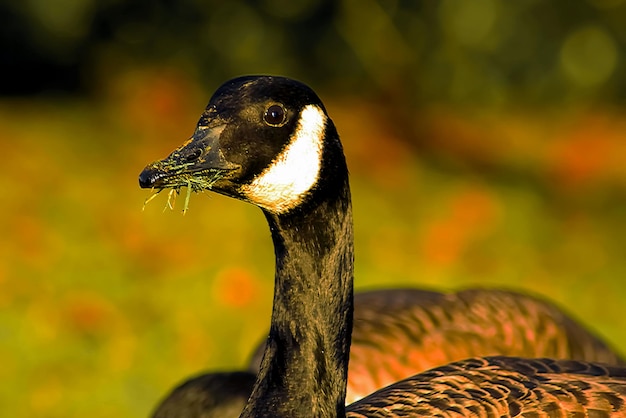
(305, 365)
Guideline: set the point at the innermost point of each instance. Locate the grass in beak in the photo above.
(171, 199)
(186, 205)
(193, 184)
(153, 193)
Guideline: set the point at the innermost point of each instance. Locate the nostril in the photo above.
(147, 178)
(193, 155)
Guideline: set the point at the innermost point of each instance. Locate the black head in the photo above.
(261, 139)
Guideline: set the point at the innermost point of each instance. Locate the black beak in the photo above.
(148, 177)
(200, 154)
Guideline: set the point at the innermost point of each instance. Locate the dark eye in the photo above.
(274, 115)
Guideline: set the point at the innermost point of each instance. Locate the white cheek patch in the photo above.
(283, 185)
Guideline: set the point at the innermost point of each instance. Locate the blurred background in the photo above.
(486, 142)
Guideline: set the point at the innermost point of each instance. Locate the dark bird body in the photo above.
(214, 395)
(269, 141)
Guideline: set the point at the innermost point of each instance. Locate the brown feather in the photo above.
(503, 387)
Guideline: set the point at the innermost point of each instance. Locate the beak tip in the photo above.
(147, 178)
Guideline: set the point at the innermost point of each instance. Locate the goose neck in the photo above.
(304, 368)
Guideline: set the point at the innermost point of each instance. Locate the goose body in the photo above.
(400, 332)
(269, 141)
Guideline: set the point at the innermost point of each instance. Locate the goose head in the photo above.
(263, 139)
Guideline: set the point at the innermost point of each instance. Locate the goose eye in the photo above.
(275, 115)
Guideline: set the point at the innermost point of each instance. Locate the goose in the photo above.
(268, 140)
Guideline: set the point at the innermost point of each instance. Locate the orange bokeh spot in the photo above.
(468, 216)
(588, 152)
(236, 287)
(88, 313)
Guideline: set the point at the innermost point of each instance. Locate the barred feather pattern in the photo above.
(503, 387)
(401, 332)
